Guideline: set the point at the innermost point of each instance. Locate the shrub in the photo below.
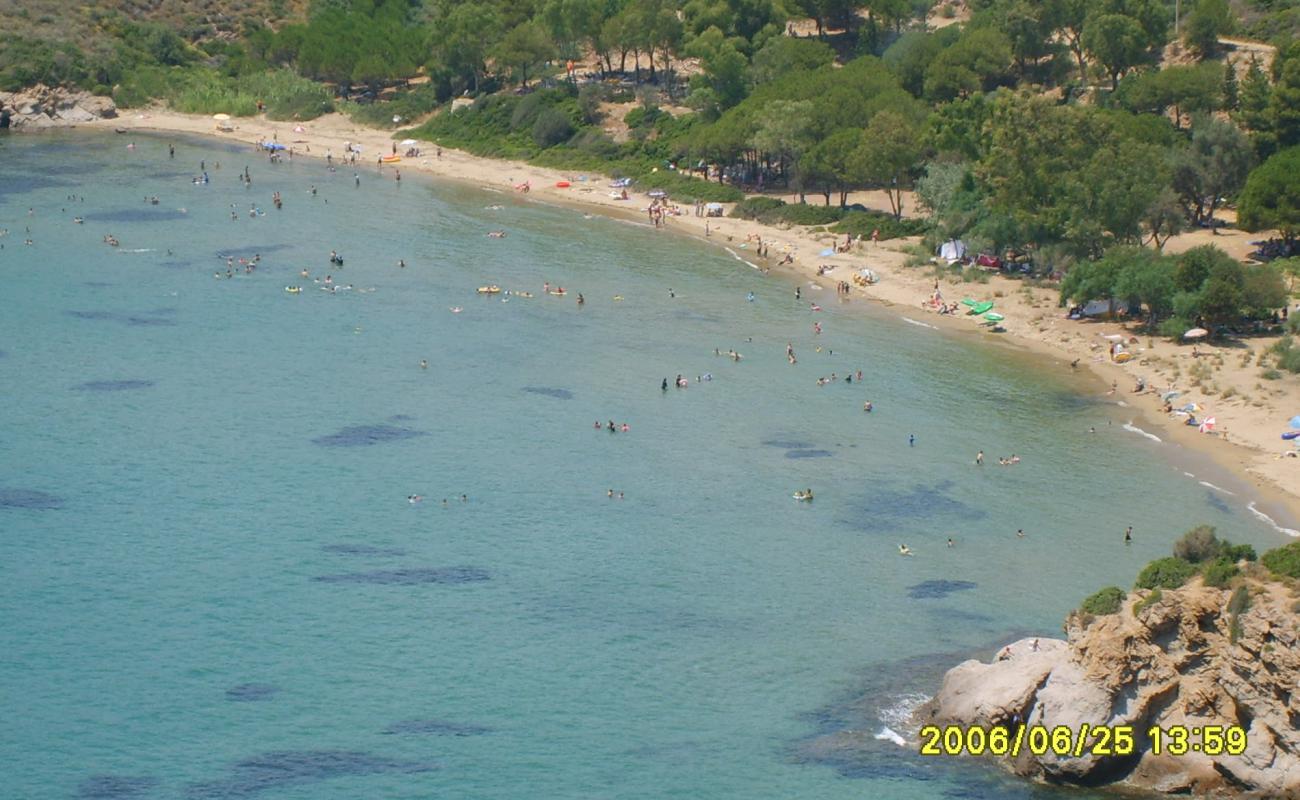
(1198, 544)
(755, 207)
(1219, 572)
(1237, 552)
(589, 99)
(1239, 603)
(1104, 601)
(551, 128)
(863, 223)
(1166, 573)
(1155, 597)
(1284, 560)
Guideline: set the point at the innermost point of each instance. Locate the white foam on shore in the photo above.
(898, 716)
(915, 322)
(736, 256)
(888, 735)
(137, 250)
(1131, 428)
(1266, 518)
(1209, 485)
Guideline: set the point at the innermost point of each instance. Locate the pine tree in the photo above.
(1230, 91)
(1253, 97)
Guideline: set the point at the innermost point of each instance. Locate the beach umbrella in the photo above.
(1208, 424)
(299, 129)
(1190, 408)
(407, 142)
(1167, 396)
(221, 117)
(829, 251)
(1295, 422)
(1196, 333)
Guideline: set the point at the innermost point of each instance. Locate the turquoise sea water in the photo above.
(212, 583)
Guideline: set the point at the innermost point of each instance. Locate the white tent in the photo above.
(952, 250)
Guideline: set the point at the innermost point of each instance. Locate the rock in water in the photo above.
(1183, 659)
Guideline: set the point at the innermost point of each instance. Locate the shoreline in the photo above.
(1246, 460)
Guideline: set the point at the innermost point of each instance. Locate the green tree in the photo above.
(1263, 291)
(978, 61)
(1091, 280)
(724, 67)
(912, 53)
(1231, 89)
(1070, 18)
(1284, 104)
(1209, 20)
(1108, 198)
(464, 38)
(890, 148)
(1271, 198)
(832, 164)
(1164, 218)
(1188, 90)
(1254, 97)
(784, 134)
(523, 49)
(785, 54)
(1212, 167)
(1195, 266)
(1145, 278)
(1117, 42)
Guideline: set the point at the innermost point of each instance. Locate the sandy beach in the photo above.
(1223, 381)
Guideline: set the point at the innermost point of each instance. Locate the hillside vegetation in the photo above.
(1070, 137)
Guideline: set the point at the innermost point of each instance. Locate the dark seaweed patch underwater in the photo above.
(112, 386)
(366, 435)
(115, 787)
(411, 576)
(547, 391)
(938, 588)
(435, 727)
(281, 769)
(29, 498)
(251, 692)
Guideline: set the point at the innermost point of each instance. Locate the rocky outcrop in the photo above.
(45, 107)
(1179, 659)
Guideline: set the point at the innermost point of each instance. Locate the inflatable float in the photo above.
(562, 184)
(391, 159)
(293, 289)
(493, 289)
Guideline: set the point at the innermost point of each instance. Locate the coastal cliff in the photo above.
(48, 107)
(1196, 656)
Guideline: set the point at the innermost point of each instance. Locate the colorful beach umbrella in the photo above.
(1196, 333)
(1208, 424)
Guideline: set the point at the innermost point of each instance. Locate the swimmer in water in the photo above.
(625, 428)
(904, 550)
(950, 541)
(610, 494)
(424, 363)
(413, 499)
(1020, 532)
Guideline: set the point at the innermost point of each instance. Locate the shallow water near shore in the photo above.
(213, 583)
